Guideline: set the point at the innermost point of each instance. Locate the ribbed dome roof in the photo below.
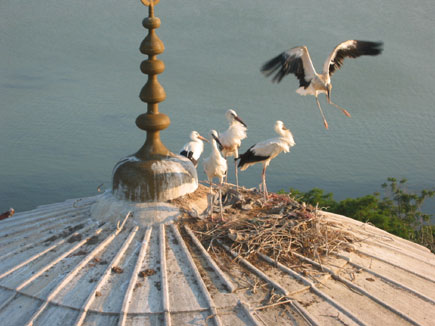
(72, 264)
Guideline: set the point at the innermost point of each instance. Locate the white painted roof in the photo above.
(62, 265)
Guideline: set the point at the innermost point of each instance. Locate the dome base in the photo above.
(109, 209)
(158, 179)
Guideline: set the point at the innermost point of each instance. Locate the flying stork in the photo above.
(215, 166)
(193, 149)
(297, 61)
(267, 150)
(231, 139)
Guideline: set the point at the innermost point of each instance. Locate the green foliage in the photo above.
(316, 197)
(397, 212)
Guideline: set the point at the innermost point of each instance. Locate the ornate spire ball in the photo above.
(153, 173)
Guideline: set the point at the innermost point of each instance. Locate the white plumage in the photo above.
(231, 139)
(194, 148)
(267, 150)
(297, 61)
(215, 166)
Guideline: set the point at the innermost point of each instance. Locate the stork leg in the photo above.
(321, 112)
(211, 204)
(220, 200)
(236, 157)
(338, 107)
(263, 176)
(237, 175)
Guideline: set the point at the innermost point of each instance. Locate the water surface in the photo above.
(70, 79)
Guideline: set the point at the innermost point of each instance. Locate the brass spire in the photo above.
(153, 173)
(152, 93)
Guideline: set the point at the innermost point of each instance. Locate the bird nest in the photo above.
(278, 228)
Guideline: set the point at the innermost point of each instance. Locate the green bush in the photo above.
(398, 211)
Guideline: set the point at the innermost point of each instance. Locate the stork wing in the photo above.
(295, 61)
(350, 49)
(193, 150)
(270, 147)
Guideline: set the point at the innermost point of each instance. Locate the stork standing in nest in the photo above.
(215, 166)
(267, 150)
(297, 61)
(193, 149)
(231, 139)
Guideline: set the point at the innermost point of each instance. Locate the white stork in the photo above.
(297, 61)
(267, 150)
(193, 149)
(215, 166)
(231, 139)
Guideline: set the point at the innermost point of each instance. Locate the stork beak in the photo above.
(240, 120)
(203, 138)
(217, 140)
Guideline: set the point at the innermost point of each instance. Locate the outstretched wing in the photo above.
(295, 61)
(350, 49)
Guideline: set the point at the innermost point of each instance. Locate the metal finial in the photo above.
(150, 3)
(153, 173)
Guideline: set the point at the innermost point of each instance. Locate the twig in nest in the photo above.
(298, 229)
(273, 304)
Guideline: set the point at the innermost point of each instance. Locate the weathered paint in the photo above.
(100, 260)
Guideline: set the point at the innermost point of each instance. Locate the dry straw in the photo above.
(277, 228)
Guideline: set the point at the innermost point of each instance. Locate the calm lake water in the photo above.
(70, 79)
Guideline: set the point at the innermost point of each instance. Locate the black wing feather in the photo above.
(189, 155)
(285, 64)
(360, 48)
(250, 157)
